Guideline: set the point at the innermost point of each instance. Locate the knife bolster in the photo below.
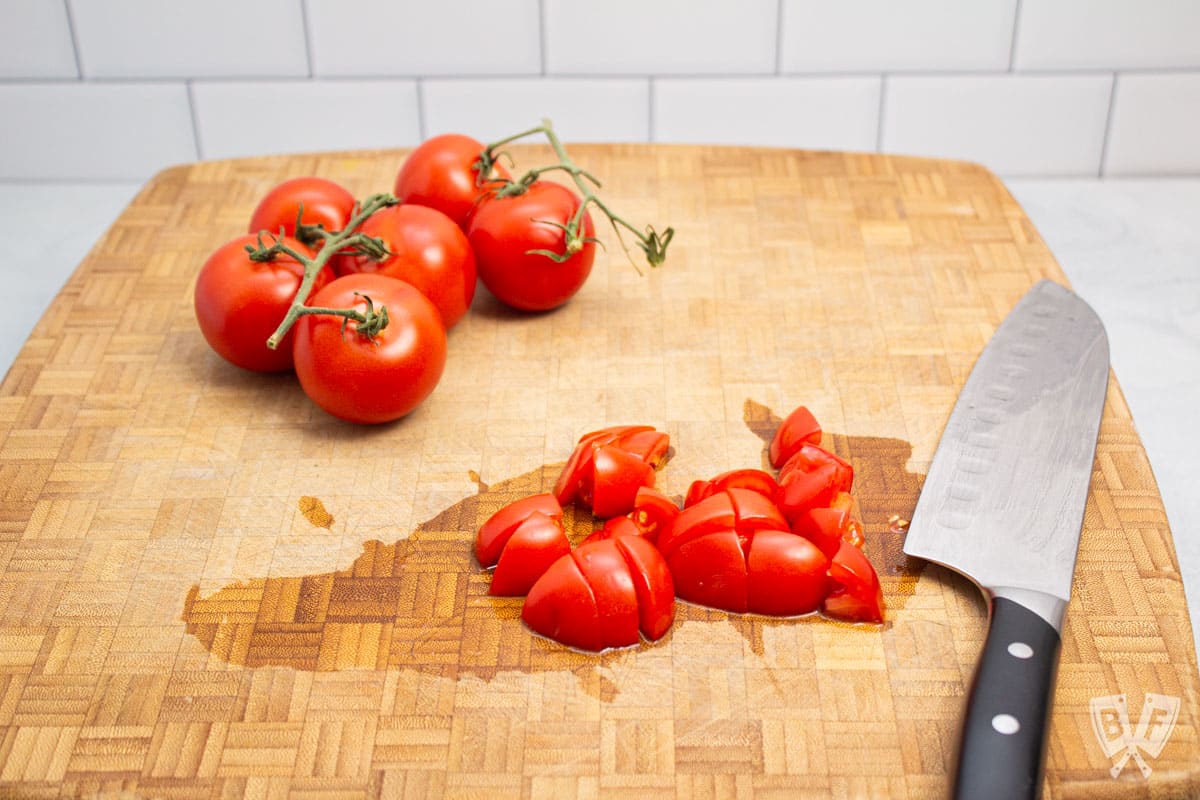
(1047, 606)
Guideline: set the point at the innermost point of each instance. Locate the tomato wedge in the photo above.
(561, 606)
(653, 512)
(616, 477)
(494, 534)
(619, 473)
(828, 527)
(811, 478)
(710, 570)
(653, 583)
(855, 593)
(608, 575)
(800, 427)
(534, 545)
(786, 574)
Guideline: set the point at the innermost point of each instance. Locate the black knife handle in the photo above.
(1004, 734)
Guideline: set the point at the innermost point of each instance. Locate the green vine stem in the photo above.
(370, 323)
(650, 241)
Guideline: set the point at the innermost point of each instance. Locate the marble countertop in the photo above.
(1131, 248)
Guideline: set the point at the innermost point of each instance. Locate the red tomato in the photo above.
(811, 478)
(441, 174)
(711, 571)
(325, 203)
(785, 574)
(652, 583)
(855, 593)
(653, 512)
(616, 478)
(561, 606)
(425, 248)
(536, 543)
(504, 232)
(608, 576)
(799, 427)
(828, 527)
(630, 444)
(239, 303)
(494, 533)
(370, 380)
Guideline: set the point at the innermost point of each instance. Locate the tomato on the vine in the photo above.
(325, 203)
(239, 303)
(425, 248)
(441, 173)
(506, 233)
(376, 379)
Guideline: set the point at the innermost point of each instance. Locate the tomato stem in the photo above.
(652, 243)
(343, 241)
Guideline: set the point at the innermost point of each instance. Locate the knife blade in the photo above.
(1003, 504)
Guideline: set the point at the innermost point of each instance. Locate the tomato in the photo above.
(504, 232)
(534, 545)
(425, 248)
(494, 533)
(855, 593)
(603, 595)
(634, 451)
(798, 428)
(239, 303)
(828, 527)
(785, 574)
(616, 478)
(811, 478)
(441, 174)
(325, 203)
(653, 512)
(370, 380)
(755, 480)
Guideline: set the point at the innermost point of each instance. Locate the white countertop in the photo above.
(1131, 248)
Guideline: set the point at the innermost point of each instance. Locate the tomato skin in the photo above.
(503, 231)
(786, 574)
(616, 478)
(240, 303)
(611, 582)
(561, 606)
(325, 203)
(652, 583)
(494, 533)
(440, 174)
(370, 381)
(711, 571)
(799, 427)
(536, 543)
(855, 593)
(427, 249)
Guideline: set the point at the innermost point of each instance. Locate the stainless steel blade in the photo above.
(1004, 497)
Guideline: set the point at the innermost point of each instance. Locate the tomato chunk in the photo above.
(561, 606)
(653, 512)
(534, 545)
(755, 480)
(711, 571)
(495, 532)
(711, 515)
(653, 584)
(787, 574)
(798, 428)
(607, 573)
(827, 527)
(616, 477)
(651, 446)
(811, 478)
(855, 593)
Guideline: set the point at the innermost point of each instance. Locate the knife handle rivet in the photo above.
(1006, 724)
(1020, 650)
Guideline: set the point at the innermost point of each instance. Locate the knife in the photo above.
(1003, 504)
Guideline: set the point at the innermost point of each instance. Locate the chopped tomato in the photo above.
(651, 446)
(711, 515)
(628, 446)
(756, 480)
(827, 527)
(608, 575)
(653, 512)
(697, 491)
(799, 428)
(711, 570)
(811, 478)
(616, 477)
(534, 545)
(494, 534)
(653, 584)
(561, 606)
(855, 593)
(786, 574)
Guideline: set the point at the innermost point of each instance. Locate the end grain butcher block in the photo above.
(211, 588)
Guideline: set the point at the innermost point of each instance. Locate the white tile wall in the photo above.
(890, 36)
(245, 118)
(418, 37)
(1155, 127)
(1025, 86)
(1015, 124)
(816, 113)
(35, 41)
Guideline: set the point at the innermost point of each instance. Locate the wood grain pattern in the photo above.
(174, 624)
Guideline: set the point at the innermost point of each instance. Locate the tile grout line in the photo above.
(1102, 167)
(304, 23)
(189, 86)
(422, 122)
(778, 37)
(74, 40)
(542, 37)
(1016, 31)
(883, 90)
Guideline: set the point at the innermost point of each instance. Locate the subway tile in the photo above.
(895, 35)
(672, 37)
(582, 109)
(1108, 34)
(416, 37)
(125, 131)
(303, 116)
(210, 39)
(1155, 125)
(1013, 124)
(839, 113)
(35, 40)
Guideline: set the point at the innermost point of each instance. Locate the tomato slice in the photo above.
(575, 474)
(494, 534)
(616, 477)
(534, 545)
(699, 490)
(607, 573)
(754, 512)
(653, 584)
(612, 433)
(786, 574)
(653, 512)
(711, 515)
(855, 593)
(756, 480)
(811, 478)
(561, 606)
(799, 428)
(711, 570)
(614, 527)
(651, 446)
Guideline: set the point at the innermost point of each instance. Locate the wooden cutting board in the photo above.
(180, 617)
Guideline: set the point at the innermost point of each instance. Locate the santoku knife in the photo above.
(1003, 505)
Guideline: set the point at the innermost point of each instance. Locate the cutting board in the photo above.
(211, 588)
